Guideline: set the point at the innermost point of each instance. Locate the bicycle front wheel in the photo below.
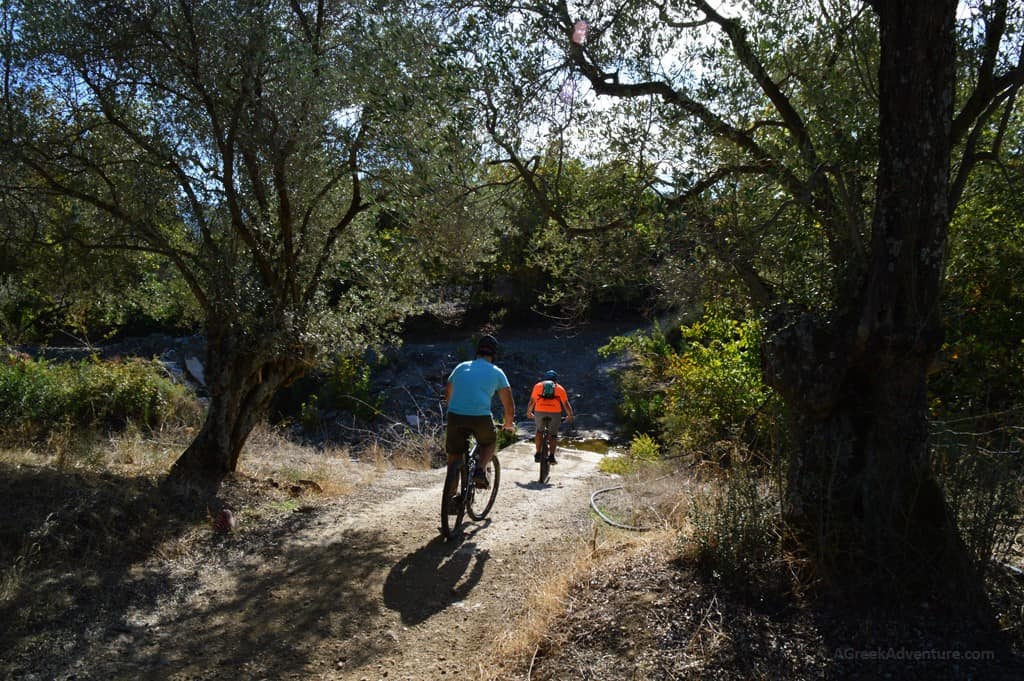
(452, 506)
(481, 502)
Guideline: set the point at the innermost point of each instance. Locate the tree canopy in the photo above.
(254, 145)
(818, 150)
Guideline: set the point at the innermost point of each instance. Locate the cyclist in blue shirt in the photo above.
(468, 393)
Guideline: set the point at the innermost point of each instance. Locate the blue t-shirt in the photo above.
(473, 385)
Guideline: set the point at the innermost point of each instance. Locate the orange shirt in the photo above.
(549, 405)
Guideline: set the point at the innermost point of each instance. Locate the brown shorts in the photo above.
(456, 439)
(556, 421)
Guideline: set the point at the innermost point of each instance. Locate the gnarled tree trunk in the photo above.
(241, 385)
(860, 488)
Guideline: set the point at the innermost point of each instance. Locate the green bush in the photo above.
(707, 391)
(642, 384)
(505, 438)
(341, 383)
(981, 364)
(36, 394)
(643, 449)
(715, 391)
(347, 387)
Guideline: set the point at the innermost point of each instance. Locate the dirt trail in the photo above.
(362, 589)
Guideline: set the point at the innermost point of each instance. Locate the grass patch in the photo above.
(269, 455)
(535, 633)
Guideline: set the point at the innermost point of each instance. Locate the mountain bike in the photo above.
(468, 500)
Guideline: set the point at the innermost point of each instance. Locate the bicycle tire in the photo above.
(545, 465)
(474, 508)
(451, 523)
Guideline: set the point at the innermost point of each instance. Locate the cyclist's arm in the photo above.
(509, 406)
(529, 408)
(568, 410)
(448, 392)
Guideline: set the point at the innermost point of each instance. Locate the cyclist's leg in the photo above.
(556, 423)
(538, 428)
(555, 420)
(486, 439)
(456, 441)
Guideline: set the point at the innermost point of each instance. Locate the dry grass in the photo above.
(517, 646)
(535, 632)
(79, 497)
(405, 449)
(650, 497)
(269, 455)
(130, 452)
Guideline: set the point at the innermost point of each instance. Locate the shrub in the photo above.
(714, 387)
(642, 449)
(341, 384)
(735, 526)
(642, 384)
(347, 387)
(982, 475)
(36, 394)
(707, 391)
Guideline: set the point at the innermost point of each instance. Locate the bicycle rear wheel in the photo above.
(483, 499)
(452, 507)
(545, 465)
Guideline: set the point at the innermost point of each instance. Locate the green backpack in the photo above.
(547, 390)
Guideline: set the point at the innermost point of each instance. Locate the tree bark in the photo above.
(241, 385)
(860, 489)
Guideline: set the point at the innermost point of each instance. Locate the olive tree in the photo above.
(274, 151)
(818, 149)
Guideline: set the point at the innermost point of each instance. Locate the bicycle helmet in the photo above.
(550, 375)
(488, 345)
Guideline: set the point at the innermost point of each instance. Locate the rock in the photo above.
(195, 369)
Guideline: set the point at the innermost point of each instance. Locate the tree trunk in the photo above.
(860, 489)
(241, 385)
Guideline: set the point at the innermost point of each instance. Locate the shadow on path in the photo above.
(534, 484)
(434, 576)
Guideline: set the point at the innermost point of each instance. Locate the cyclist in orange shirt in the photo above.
(548, 398)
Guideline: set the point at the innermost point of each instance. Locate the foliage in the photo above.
(348, 386)
(708, 390)
(53, 281)
(715, 391)
(341, 384)
(643, 449)
(641, 384)
(37, 397)
(505, 438)
(982, 360)
(601, 257)
(735, 527)
(289, 160)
